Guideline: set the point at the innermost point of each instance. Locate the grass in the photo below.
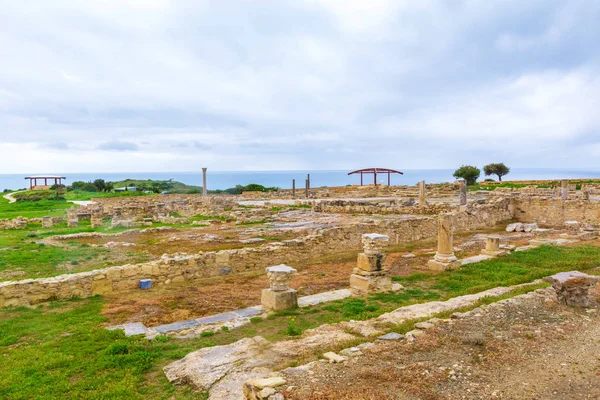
(33, 209)
(60, 349)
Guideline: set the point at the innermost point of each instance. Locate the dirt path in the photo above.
(526, 349)
(10, 198)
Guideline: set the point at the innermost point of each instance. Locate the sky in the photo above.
(157, 85)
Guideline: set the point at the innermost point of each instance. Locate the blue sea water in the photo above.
(283, 179)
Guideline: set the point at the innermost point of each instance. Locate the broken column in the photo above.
(576, 289)
(462, 196)
(204, 182)
(369, 275)
(564, 189)
(492, 247)
(47, 222)
(279, 296)
(422, 201)
(444, 257)
(72, 219)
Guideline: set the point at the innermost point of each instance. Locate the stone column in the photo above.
(369, 275)
(462, 196)
(564, 189)
(444, 257)
(422, 201)
(492, 247)
(279, 296)
(293, 188)
(47, 222)
(204, 182)
(72, 219)
(306, 188)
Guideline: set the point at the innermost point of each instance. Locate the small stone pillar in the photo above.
(204, 193)
(564, 189)
(293, 188)
(462, 196)
(47, 222)
(279, 296)
(95, 218)
(585, 195)
(492, 247)
(72, 219)
(444, 257)
(422, 201)
(369, 275)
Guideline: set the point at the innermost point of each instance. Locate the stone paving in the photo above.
(235, 318)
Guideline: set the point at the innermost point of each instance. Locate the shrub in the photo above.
(469, 173)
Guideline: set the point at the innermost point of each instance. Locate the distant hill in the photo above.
(158, 186)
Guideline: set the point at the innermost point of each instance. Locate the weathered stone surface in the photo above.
(370, 262)
(360, 285)
(392, 336)
(334, 358)
(576, 288)
(280, 276)
(279, 300)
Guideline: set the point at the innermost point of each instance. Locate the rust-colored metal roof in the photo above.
(376, 170)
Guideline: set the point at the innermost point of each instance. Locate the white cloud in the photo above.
(286, 84)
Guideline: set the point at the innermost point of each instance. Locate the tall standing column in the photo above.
(204, 182)
(444, 257)
(422, 201)
(564, 188)
(462, 196)
(307, 184)
(293, 188)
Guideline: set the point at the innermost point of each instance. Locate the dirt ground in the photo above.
(531, 348)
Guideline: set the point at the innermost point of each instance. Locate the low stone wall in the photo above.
(380, 207)
(554, 211)
(137, 208)
(296, 252)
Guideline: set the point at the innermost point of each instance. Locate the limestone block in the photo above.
(360, 284)
(102, 286)
(370, 262)
(47, 222)
(576, 288)
(435, 265)
(262, 389)
(373, 243)
(279, 300)
(280, 276)
(222, 258)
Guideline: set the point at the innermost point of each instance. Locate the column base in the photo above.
(360, 284)
(435, 265)
(494, 253)
(277, 301)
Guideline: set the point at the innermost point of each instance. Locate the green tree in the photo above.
(469, 173)
(498, 169)
(100, 185)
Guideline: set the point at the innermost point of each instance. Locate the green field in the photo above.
(60, 349)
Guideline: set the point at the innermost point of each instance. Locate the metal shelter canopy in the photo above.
(33, 180)
(375, 171)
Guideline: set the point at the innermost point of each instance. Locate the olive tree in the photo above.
(498, 169)
(469, 173)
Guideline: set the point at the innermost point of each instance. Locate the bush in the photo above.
(469, 173)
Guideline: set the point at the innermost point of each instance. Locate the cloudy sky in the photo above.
(157, 85)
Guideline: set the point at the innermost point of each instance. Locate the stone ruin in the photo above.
(444, 257)
(370, 275)
(576, 289)
(279, 296)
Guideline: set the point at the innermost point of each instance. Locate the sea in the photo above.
(283, 179)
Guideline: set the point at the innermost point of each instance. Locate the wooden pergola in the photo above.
(375, 171)
(33, 180)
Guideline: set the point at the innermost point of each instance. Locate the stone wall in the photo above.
(139, 207)
(379, 207)
(295, 252)
(554, 211)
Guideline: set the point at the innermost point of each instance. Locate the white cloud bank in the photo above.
(236, 85)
